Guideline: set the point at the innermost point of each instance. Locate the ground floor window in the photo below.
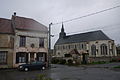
(3, 57)
(21, 57)
(41, 57)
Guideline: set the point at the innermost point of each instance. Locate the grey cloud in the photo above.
(47, 11)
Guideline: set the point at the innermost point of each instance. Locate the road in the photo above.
(63, 72)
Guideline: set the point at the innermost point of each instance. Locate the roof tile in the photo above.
(5, 26)
(28, 24)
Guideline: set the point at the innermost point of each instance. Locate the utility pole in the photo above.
(49, 47)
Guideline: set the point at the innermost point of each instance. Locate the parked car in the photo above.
(32, 66)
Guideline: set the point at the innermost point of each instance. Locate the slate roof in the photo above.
(23, 23)
(28, 24)
(5, 26)
(83, 37)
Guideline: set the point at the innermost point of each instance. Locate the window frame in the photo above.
(41, 43)
(93, 50)
(104, 50)
(4, 58)
(22, 42)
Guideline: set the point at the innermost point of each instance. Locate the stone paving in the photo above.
(62, 72)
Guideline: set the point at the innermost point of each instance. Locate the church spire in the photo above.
(62, 33)
(62, 30)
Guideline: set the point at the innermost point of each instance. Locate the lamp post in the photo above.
(49, 47)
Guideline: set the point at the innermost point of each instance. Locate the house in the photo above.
(22, 40)
(92, 46)
(6, 43)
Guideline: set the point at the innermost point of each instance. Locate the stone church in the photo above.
(95, 44)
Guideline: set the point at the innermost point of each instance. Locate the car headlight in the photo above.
(21, 67)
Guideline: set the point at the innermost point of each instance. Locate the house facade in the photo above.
(95, 44)
(28, 42)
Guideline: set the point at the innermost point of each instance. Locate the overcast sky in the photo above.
(47, 11)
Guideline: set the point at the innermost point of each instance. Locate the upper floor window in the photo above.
(22, 41)
(3, 57)
(41, 42)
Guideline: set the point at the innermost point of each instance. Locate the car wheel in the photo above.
(43, 68)
(26, 69)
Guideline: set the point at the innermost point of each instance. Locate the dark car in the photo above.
(32, 66)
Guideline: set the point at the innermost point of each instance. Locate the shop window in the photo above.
(21, 57)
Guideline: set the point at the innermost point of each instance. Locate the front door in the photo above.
(84, 58)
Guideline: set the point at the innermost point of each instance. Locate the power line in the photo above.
(87, 15)
(104, 27)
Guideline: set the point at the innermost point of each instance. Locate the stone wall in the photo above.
(59, 51)
(32, 37)
(6, 41)
(7, 44)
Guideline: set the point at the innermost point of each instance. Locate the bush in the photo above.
(62, 61)
(114, 60)
(116, 66)
(99, 62)
(70, 62)
(55, 61)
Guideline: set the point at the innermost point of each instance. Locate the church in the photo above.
(96, 45)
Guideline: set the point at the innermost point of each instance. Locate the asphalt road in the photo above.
(62, 72)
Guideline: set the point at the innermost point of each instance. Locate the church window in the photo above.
(93, 50)
(103, 49)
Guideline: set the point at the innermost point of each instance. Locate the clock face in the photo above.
(32, 45)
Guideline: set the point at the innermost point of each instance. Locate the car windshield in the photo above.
(37, 62)
(32, 62)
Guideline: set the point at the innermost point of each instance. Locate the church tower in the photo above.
(62, 33)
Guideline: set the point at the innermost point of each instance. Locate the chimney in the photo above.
(14, 13)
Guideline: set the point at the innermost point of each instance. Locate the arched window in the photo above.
(103, 49)
(58, 53)
(93, 50)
